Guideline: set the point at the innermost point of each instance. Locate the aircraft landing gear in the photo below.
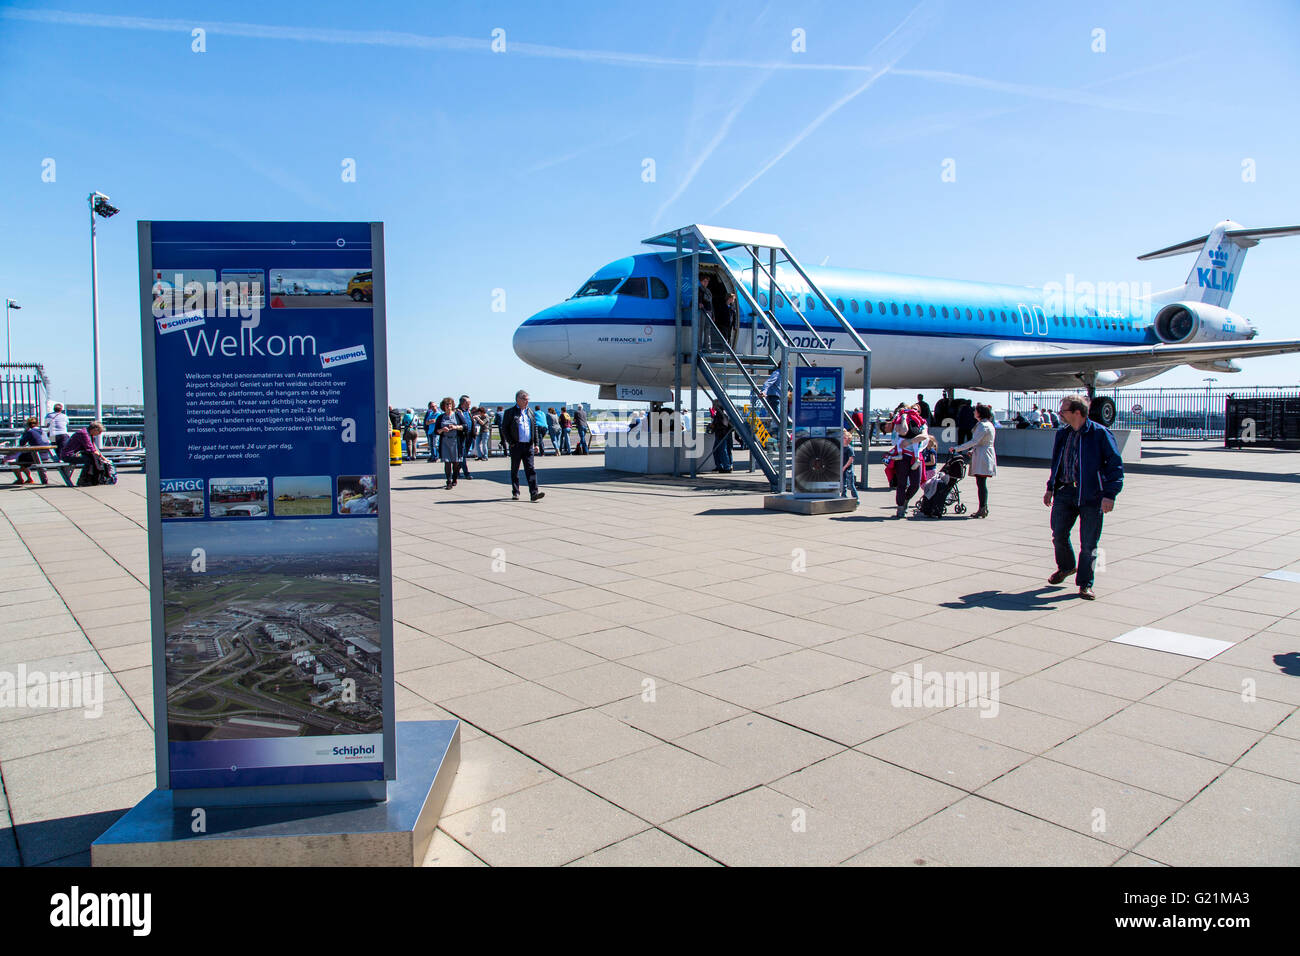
(1100, 410)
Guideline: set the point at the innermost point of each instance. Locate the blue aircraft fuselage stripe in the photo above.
(898, 291)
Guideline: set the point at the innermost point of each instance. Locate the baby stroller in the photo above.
(941, 489)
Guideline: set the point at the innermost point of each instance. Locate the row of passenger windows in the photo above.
(955, 312)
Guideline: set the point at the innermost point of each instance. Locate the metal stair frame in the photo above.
(706, 240)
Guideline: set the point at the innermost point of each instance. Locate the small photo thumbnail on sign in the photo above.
(321, 288)
(238, 498)
(819, 387)
(182, 497)
(242, 289)
(300, 496)
(358, 495)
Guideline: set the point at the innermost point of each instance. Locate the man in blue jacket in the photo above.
(1086, 475)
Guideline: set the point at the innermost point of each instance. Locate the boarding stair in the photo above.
(737, 379)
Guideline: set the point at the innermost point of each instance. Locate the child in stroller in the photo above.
(941, 489)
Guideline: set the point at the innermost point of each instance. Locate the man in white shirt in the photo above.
(517, 428)
(1035, 417)
(56, 426)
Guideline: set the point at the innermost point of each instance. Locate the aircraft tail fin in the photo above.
(1213, 278)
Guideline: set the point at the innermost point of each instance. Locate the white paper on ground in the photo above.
(1188, 645)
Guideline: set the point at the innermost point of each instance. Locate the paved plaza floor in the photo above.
(659, 672)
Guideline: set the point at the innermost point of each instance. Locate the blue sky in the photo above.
(523, 170)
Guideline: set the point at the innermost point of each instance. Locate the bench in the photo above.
(63, 467)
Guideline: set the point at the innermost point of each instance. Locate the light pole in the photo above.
(1206, 431)
(99, 206)
(9, 360)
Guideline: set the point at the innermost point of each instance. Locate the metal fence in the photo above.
(1195, 413)
(24, 389)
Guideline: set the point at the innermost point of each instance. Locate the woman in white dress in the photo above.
(984, 460)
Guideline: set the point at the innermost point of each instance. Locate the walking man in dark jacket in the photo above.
(517, 426)
(1086, 475)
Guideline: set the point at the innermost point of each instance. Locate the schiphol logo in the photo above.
(174, 485)
(75, 909)
(356, 353)
(178, 322)
(354, 750)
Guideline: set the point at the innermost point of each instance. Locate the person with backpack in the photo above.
(410, 434)
(540, 427)
(566, 426)
(584, 430)
(80, 450)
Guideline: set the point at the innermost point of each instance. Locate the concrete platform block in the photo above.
(810, 506)
(395, 832)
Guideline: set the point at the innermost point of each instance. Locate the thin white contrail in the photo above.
(417, 41)
(747, 93)
(897, 43)
(1055, 94)
(713, 144)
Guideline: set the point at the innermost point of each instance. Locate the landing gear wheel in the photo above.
(960, 509)
(1102, 411)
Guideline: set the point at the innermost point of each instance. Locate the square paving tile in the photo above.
(764, 828)
(648, 848)
(547, 825)
(662, 782)
(882, 798)
(1137, 762)
(1242, 819)
(976, 832)
(1094, 806)
(574, 741)
(761, 748)
(939, 753)
(670, 711)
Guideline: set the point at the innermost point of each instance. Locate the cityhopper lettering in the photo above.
(247, 344)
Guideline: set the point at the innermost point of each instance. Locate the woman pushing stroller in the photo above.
(984, 460)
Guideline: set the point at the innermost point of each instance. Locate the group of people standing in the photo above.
(1086, 474)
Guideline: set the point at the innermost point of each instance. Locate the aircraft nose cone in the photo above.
(543, 342)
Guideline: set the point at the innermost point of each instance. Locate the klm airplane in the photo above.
(617, 329)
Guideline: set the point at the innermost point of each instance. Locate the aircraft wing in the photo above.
(1141, 356)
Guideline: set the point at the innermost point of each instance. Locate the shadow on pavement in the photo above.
(1034, 600)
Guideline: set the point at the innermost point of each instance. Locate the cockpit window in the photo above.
(635, 286)
(657, 288)
(597, 287)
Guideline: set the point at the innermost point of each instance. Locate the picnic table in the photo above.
(7, 452)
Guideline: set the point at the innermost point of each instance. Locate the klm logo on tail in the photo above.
(1216, 277)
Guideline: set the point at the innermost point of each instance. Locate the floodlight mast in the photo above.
(99, 206)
